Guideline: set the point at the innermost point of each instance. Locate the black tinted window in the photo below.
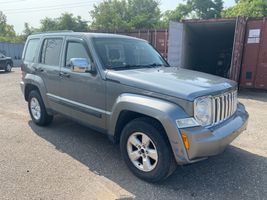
(123, 53)
(51, 51)
(75, 50)
(31, 50)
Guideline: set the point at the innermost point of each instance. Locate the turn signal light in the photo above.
(185, 140)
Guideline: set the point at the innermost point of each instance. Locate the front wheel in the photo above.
(8, 67)
(146, 150)
(37, 109)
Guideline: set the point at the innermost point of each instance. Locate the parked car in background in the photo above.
(121, 86)
(6, 63)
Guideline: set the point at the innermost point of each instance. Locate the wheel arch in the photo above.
(132, 106)
(127, 116)
(33, 82)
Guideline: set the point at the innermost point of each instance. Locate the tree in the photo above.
(48, 24)
(6, 30)
(180, 12)
(143, 13)
(110, 15)
(250, 8)
(7, 33)
(125, 14)
(201, 9)
(68, 22)
(206, 9)
(28, 30)
(65, 22)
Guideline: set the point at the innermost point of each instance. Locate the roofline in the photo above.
(84, 34)
(63, 31)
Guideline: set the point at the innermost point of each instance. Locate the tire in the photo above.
(37, 109)
(8, 67)
(158, 169)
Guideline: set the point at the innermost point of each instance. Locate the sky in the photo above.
(32, 11)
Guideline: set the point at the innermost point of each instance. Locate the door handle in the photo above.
(64, 74)
(38, 69)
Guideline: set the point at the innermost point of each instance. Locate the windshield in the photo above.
(123, 53)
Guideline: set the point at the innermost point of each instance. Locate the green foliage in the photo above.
(7, 33)
(6, 30)
(179, 13)
(110, 15)
(206, 9)
(200, 9)
(143, 13)
(250, 8)
(65, 22)
(125, 14)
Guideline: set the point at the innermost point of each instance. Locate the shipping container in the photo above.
(234, 48)
(213, 46)
(254, 63)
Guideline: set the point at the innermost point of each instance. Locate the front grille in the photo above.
(223, 106)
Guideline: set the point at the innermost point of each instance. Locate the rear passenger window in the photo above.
(51, 51)
(31, 50)
(75, 50)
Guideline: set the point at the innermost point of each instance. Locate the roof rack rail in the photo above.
(64, 31)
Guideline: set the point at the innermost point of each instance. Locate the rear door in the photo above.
(48, 66)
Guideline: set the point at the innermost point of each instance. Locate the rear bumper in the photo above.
(211, 141)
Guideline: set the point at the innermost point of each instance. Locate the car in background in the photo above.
(6, 63)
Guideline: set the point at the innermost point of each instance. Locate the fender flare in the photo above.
(163, 111)
(39, 83)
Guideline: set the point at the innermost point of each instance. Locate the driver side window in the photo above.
(75, 50)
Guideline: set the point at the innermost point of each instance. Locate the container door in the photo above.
(261, 71)
(175, 49)
(240, 30)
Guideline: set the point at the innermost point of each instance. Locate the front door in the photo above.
(83, 94)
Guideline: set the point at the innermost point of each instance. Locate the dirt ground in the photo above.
(69, 161)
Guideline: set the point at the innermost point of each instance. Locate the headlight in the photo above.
(203, 110)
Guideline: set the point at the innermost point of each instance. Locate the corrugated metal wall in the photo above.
(13, 50)
(254, 64)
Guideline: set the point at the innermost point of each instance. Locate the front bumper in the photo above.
(211, 141)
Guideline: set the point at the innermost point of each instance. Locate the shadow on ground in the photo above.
(235, 174)
(253, 94)
(4, 72)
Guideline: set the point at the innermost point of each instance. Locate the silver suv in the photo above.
(121, 86)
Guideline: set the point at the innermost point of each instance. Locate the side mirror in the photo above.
(81, 65)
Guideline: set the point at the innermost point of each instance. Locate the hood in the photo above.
(176, 82)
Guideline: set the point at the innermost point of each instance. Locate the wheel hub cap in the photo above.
(35, 108)
(142, 151)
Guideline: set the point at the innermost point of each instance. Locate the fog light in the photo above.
(185, 140)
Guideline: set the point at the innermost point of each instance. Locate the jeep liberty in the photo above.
(161, 116)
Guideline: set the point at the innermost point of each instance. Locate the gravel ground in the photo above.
(69, 161)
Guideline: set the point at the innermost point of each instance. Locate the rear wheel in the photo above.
(146, 151)
(8, 67)
(37, 109)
